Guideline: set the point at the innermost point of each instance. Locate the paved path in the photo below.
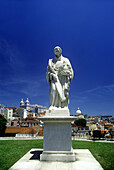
(41, 137)
(84, 161)
(90, 140)
(21, 138)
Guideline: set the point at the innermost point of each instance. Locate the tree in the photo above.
(80, 122)
(85, 116)
(2, 125)
(97, 134)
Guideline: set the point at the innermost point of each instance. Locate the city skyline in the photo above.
(84, 30)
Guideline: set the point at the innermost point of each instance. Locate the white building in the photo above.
(8, 113)
(22, 113)
(79, 114)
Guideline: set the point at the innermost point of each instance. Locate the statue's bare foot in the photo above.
(51, 108)
(63, 100)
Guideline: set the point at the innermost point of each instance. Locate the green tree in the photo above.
(85, 116)
(80, 122)
(2, 125)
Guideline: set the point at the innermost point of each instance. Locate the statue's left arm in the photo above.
(68, 71)
(71, 71)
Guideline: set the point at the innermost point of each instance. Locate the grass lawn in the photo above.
(13, 150)
(103, 152)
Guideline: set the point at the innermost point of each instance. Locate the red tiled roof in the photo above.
(9, 108)
(30, 118)
(92, 118)
(15, 120)
(108, 124)
(105, 121)
(14, 113)
(20, 130)
(73, 125)
(13, 107)
(104, 131)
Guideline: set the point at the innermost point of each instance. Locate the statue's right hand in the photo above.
(53, 77)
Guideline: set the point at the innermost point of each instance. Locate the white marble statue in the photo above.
(59, 74)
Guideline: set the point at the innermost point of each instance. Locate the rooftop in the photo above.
(20, 130)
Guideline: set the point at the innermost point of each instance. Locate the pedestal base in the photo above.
(53, 111)
(58, 156)
(57, 144)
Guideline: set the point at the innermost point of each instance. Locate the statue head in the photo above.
(57, 51)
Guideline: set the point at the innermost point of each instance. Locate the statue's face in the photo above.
(57, 51)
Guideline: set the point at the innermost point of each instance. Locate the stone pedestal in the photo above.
(57, 139)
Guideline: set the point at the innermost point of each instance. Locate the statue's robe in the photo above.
(62, 68)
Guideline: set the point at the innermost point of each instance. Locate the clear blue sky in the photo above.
(84, 29)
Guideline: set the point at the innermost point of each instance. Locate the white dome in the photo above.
(21, 103)
(27, 101)
(78, 111)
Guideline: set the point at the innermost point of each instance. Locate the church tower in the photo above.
(27, 103)
(21, 104)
